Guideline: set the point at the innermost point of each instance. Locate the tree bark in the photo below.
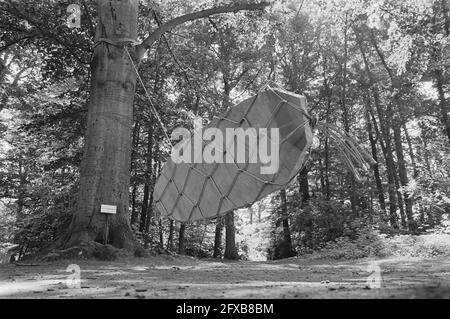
(161, 233)
(375, 167)
(345, 114)
(303, 185)
(284, 248)
(181, 239)
(155, 173)
(230, 238)
(327, 142)
(302, 179)
(105, 168)
(170, 237)
(135, 144)
(390, 167)
(146, 203)
(403, 175)
(442, 101)
(411, 151)
(217, 252)
(384, 138)
(397, 123)
(400, 201)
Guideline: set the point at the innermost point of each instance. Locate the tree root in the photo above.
(92, 250)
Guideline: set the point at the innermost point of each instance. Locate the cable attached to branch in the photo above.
(155, 112)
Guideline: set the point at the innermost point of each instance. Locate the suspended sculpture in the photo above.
(257, 147)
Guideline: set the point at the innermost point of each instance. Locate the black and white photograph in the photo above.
(224, 155)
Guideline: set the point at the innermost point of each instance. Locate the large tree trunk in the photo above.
(105, 169)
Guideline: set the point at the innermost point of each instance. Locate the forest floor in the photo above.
(184, 277)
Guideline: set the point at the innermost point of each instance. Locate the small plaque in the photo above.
(108, 209)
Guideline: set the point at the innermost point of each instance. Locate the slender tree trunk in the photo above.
(327, 148)
(155, 172)
(181, 239)
(161, 233)
(375, 167)
(170, 237)
(411, 151)
(105, 168)
(443, 106)
(384, 139)
(284, 248)
(445, 12)
(391, 172)
(390, 168)
(403, 175)
(148, 180)
(136, 135)
(350, 177)
(144, 208)
(21, 193)
(397, 122)
(230, 238)
(304, 191)
(400, 201)
(303, 185)
(424, 148)
(217, 253)
(149, 215)
(133, 204)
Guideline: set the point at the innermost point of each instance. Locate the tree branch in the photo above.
(147, 43)
(13, 42)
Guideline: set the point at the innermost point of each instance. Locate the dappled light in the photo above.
(224, 149)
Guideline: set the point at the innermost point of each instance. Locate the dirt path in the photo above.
(183, 277)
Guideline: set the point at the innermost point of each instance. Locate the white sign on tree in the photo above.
(108, 209)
